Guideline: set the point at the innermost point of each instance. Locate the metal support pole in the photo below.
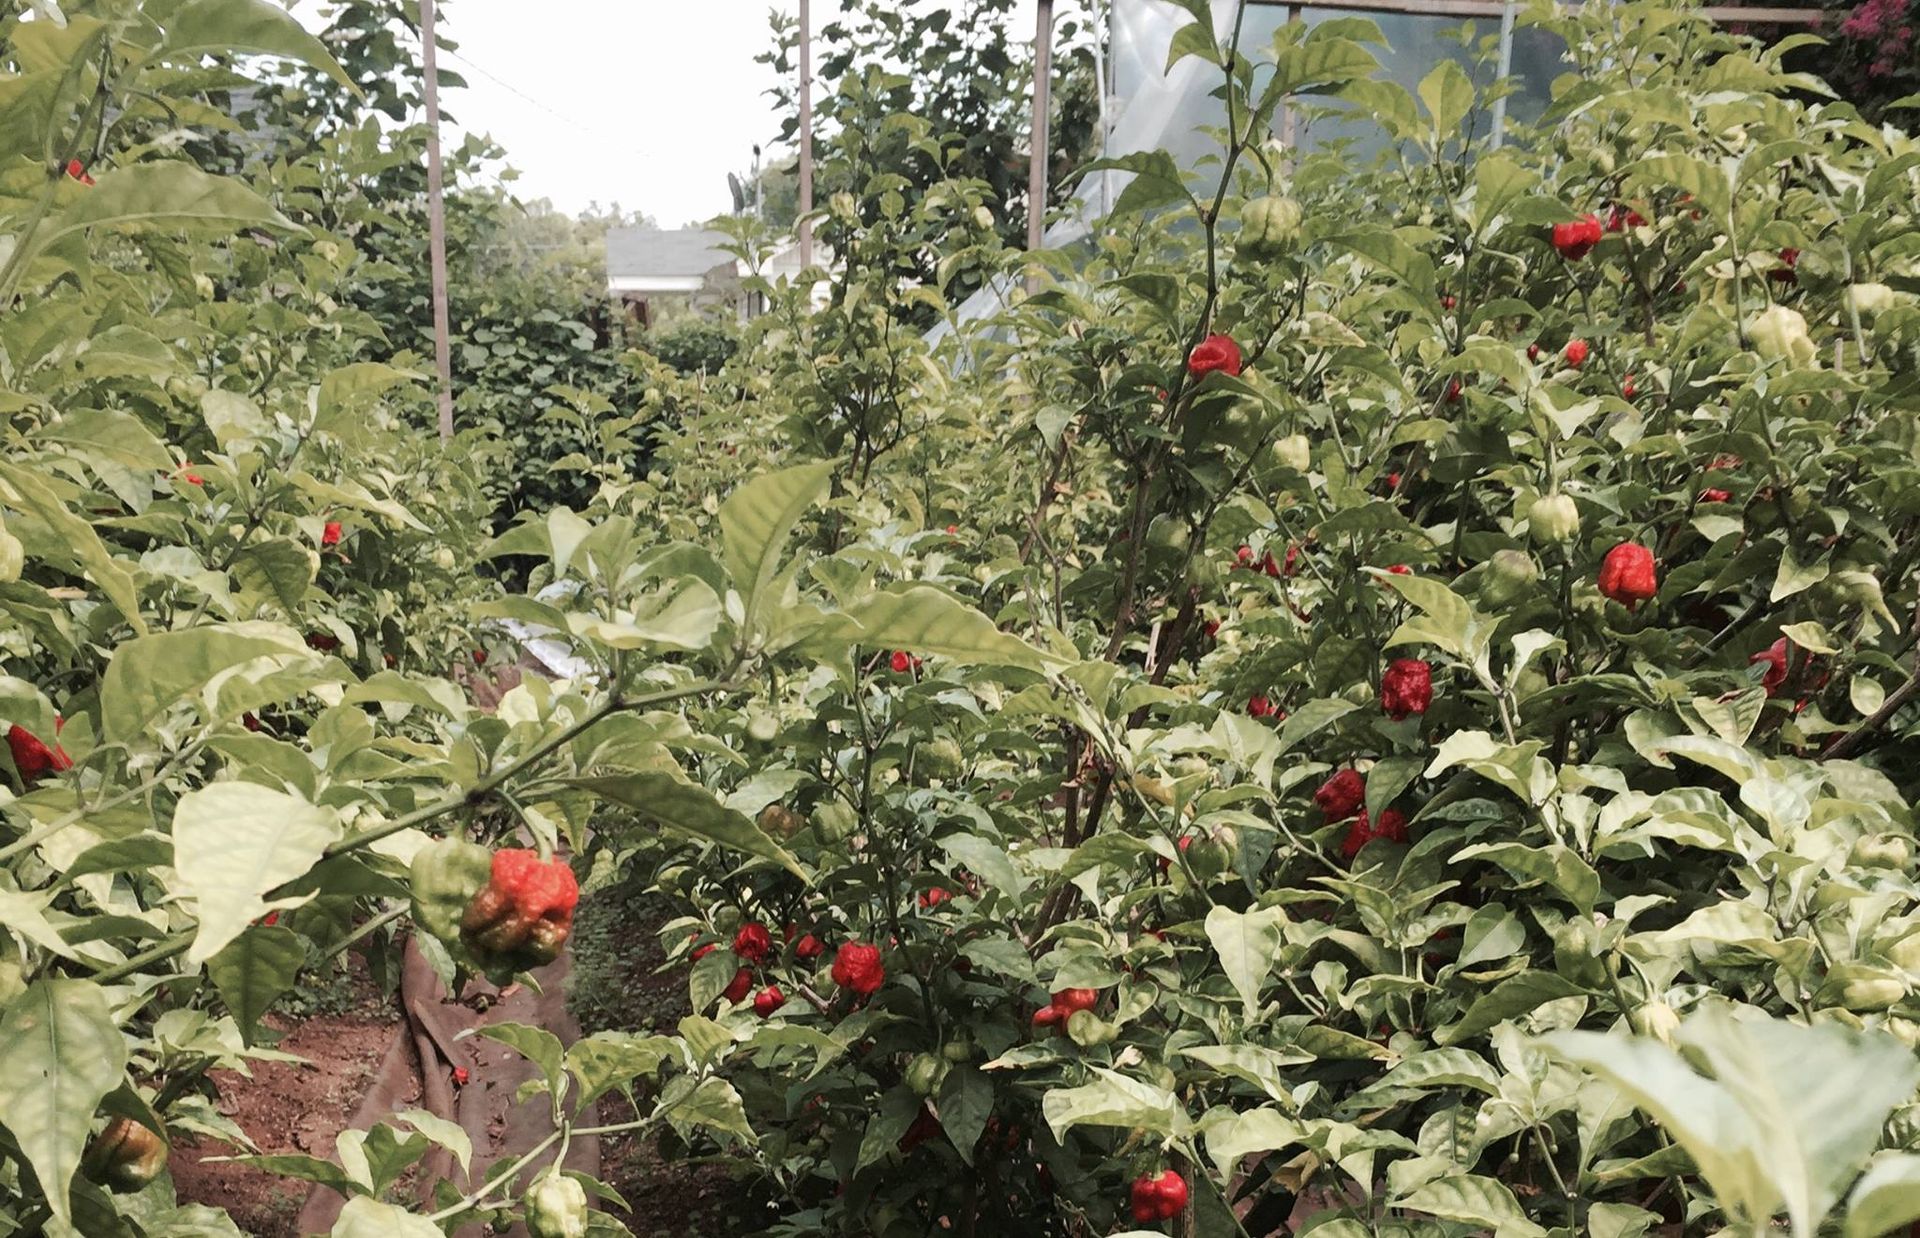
(1506, 71)
(1042, 110)
(437, 222)
(806, 135)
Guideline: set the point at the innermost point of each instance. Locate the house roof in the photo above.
(678, 252)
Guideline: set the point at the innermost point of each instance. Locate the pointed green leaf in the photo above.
(235, 841)
(62, 1055)
(691, 809)
(254, 970)
(756, 521)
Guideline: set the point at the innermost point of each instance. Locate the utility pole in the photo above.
(806, 134)
(437, 222)
(1042, 108)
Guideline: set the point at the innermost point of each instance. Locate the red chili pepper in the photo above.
(1216, 352)
(1577, 239)
(1342, 795)
(1406, 688)
(1627, 574)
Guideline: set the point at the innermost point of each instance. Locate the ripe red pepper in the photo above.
(1216, 352)
(1775, 656)
(1342, 795)
(1392, 826)
(32, 757)
(1158, 1197)
(330, 535)
(768, 1000)
(737, 988)
(1261, 707)
(929, 899)
(1575, 354)
(809, 947)
(525, 911)
(1786, 272)
(753, 943)
(857, 966)
(1627, 574)
(1577, 239)
(78, 171)
(1711, 495)
(902, 662)
(1406, 688)
(1067, 1001)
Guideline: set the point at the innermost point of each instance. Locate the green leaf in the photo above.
(1886, 1197)
(1703, 180)
(109, 435)
(685, 618)
(1248, 945)
(165, 196)
(1474, 1200)
(235, 841)
(63, 1054)
(1402, 261)
(925, 620)
(1312, 717)
(966, 1102)
(1448, 93)
(713, 1104)
(347, 392)
(221, 27)
(691, 809)
(369, 1218)
(536, 1044)
(232, 417)
(1193, 39)
(449, 1135)
(148, 675)
(1238, 1135)
(1438, 1068)
(254, 970)
(1509, 999)
(1115, 1100)
(606, 1060)
(756, 521)
(1559, 866)
(81, 541)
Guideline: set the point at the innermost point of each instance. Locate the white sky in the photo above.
(648, 103)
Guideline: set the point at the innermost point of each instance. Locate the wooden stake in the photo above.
(437, 223)
(806, 135)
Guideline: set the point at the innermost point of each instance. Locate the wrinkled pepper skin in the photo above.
(125, 1157)
(523, 915)
(557, 1207)
(447, 876)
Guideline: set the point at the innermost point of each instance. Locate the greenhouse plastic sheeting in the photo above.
(1151, 108)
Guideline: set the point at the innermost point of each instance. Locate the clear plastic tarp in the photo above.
(1152, 108)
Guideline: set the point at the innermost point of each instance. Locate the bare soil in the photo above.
(290, 1108)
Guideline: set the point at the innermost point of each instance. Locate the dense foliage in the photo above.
(1384, 698)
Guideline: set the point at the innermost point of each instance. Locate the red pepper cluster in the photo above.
(1216, 352)
(526, 910)
(1627, 574)
(1261, 707)
(1623, 217)
(1392, 826)
(1577, 239)
(1406, 688)
(1158, 1197)
(902, 662)
(1342, 795)
(1065, 1003)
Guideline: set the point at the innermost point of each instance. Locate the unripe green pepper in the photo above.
(835, 820)
(1882, 851)
(1268, 227)
(939, 758)
(1294, 452)
(446, 877)
(556, 1207)
(1088, 1029)
(924, 1074)
(959, 1049)
(1509, 574)
(1861, 987)
(125, 1156)
(1553, 518)
(13, 556)
(1655, 1019)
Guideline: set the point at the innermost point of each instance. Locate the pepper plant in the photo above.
(1258, 736)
